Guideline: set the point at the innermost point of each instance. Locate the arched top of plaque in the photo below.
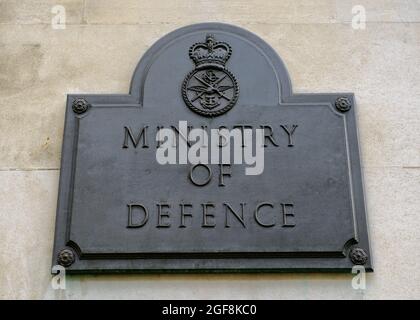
(249, 70)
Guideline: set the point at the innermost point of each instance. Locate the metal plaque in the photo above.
(211, 164)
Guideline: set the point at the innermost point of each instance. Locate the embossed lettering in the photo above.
(287, 214)
(227, 173)
(184, 214)
(140, 224)
(289, 132)
(257, 213)
(162, 215)
(166, 153)
(129, 134)
(268, 135)
(266, 214)
(203, 182)
(240, 218)
(242, 127)
(183, 143)
(206, 215)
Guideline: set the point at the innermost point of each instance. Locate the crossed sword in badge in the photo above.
(210, 87)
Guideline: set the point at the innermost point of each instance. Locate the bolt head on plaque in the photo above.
(66, 257)
(343, 104)
(80, 106)
(210, 89)
(358, 256)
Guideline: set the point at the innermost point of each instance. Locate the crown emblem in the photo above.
(210, 52)
(210, 89)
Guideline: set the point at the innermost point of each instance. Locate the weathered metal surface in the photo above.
(119, 210)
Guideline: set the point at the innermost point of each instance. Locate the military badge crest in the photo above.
(210, 89)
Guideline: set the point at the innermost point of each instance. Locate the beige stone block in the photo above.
(188, 11)
(389, 137)
(31, 139)
(35, 56)
(40, 11)
(39, 66)
(27, 214)
(376, 64)
(210, 286)
(393, 205)
(380, 10)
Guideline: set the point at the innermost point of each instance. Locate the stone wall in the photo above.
(97, 53)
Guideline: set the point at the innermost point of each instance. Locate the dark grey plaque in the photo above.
(119, 210)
